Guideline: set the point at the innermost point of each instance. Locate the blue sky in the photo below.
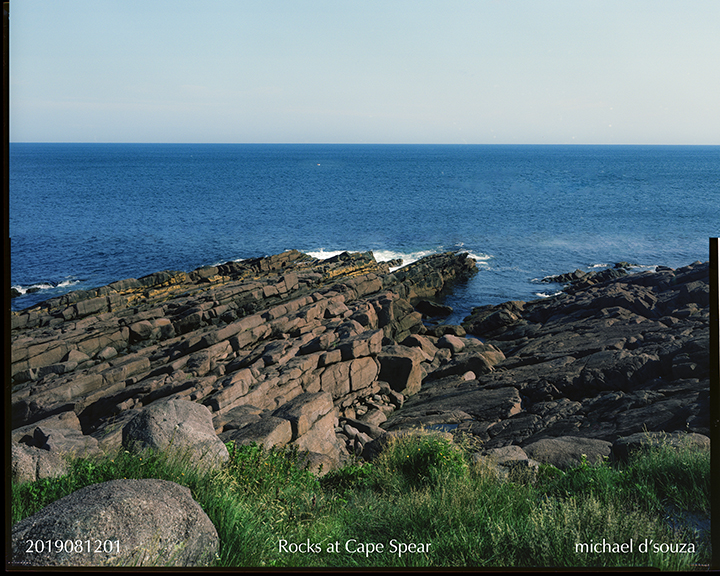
(391, 71)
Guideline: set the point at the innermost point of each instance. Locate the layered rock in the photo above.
(276, 350)
(613, 359)
(327, 356)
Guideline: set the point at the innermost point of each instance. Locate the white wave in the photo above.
(547, 295)
(44, 286)
(544, 279)
(406, 257)
(34, 287)
(323, 254)
(644, 268)
(481, 259)
(634, 267)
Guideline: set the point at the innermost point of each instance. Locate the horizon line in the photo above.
(356, 143)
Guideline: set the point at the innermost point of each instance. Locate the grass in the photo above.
(422, 503)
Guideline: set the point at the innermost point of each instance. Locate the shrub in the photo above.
(418, 460)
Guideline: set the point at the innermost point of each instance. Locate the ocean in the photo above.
(85, 215)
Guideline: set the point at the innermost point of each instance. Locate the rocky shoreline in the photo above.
(329, 356)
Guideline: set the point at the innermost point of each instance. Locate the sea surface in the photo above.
(85, 215)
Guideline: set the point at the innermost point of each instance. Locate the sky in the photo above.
(351, 71)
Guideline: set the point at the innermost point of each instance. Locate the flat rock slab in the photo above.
(134, 523)
(480, 403)
(568, 451)
(304, 410)
(625, 446)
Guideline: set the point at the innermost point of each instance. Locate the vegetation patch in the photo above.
(424, 503)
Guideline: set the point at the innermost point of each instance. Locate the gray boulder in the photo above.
(64, 441)
(30, 463)
(568, 451)
(510, 463)
(180, 426)
(268, 431)
(40, 450)
(134, 523)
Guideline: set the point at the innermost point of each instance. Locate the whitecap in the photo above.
(546, 295)
(380, 255)
(480, 259)
(323, 254)
(406, 257)
(386, 255)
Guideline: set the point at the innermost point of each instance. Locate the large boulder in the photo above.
(268, 432)
(30, 463)
(568, 451)
(509, 463)
(127, 523)
(40, 450)
(304, 410)
(400, 367)
(181, 426)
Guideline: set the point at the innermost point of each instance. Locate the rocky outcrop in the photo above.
(642, 441)
(579, 280)
(619, 357)
(324, 355)
(131, 523)
(274, 350)
(332, 358)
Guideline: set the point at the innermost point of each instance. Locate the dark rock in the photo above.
(442, 329)
(268, 432)
(400, 367)
(473, 361)
(432, 309)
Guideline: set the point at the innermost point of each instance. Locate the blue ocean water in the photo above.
(85, 215)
